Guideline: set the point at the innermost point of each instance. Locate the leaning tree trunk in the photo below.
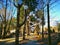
(25, 25)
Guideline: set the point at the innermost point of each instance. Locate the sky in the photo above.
(54, 12)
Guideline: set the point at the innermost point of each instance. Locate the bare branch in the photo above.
(15, 5)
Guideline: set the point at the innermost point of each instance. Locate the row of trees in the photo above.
(6, 18)
(24, 7)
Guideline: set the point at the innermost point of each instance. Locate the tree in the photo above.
(5, 17)
(9, 22)
(32, 5)
(49, 37)
(5, 24)
(0, 30)
(40, 14)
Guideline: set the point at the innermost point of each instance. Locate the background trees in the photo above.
(6, 17)
(22, 10)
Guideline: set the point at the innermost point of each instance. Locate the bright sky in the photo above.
(54, 12)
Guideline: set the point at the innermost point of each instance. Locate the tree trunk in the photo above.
(42, 32)
(49, 37)
(1, 31)
(25, 25)
(24, 31)
(28, 28)
(18, 27)
(43, 25)
(5, 24)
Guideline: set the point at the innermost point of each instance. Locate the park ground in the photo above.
(33, 39)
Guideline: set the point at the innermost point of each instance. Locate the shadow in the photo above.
(6, 43)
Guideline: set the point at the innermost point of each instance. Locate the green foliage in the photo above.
(32, 18)
(40, 13)
(22, 14)
(32, 4)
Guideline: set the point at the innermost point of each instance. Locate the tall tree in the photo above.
(41, 16)
(4, 34)
(49, 32)
(5, 16)
(43, 22)
(0, 22)
(10, 16)
(32, 5)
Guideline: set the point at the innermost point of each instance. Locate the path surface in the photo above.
(32, 41)
(11, 41)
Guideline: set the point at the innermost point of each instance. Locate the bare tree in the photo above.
(48, 15)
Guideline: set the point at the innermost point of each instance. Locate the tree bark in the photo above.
(1, 31)
(5, 24)
(43, 25)
(24, 31)
(18, 27)
(25, 25)
(49, 37)
(42, 32)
